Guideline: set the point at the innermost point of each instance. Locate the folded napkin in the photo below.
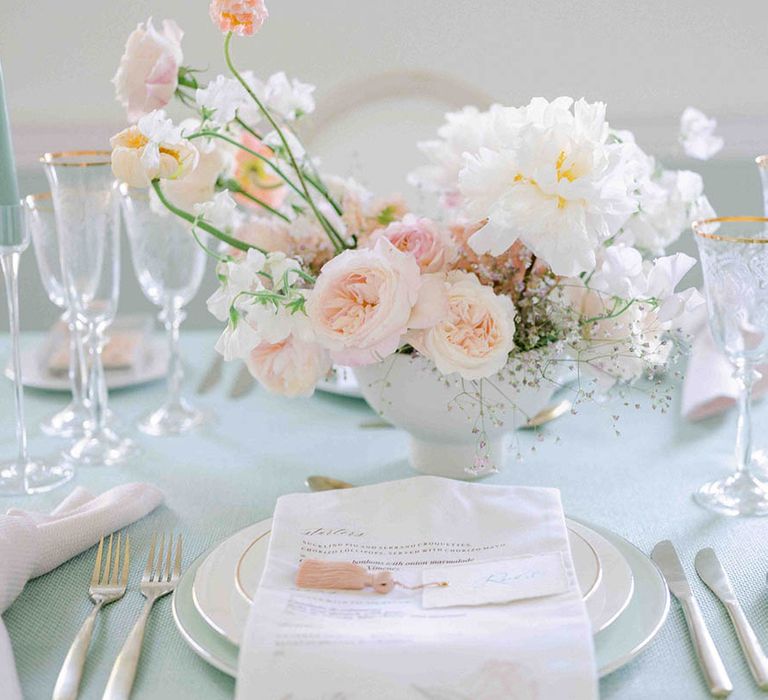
(306, 643)
(32, 544)
(126, 346)
(709, 387)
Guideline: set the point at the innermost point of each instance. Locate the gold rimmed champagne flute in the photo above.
(734, 258)
(87, 207)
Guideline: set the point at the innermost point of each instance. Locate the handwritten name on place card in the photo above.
(499, 581)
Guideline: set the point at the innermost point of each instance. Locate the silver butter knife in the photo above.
(712, 573)
(242, 384)
(212, 375)
(716, 676)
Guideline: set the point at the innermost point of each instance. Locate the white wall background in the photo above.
(386, 71)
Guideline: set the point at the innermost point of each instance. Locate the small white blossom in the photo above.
(697, 134)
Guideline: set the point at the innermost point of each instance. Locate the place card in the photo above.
(497, 581)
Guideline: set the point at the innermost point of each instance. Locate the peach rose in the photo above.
(256, 177)
(432, 246)
(147, 76)
(291, 367)
(243, 17)
(362, 302)
(477, 334)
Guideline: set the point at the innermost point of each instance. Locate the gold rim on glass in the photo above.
(762, 161)
(729, 219)
(54, 158)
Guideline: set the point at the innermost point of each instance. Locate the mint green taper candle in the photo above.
(9, 187)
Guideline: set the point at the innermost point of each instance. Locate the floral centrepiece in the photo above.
(547, 249)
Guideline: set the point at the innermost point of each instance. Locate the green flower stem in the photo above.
(336, 239)
(233, 186)
(201, 223)
(248, 128)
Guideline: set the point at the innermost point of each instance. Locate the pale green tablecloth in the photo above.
(229, 475)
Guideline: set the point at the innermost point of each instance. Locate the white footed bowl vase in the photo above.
(442, 413)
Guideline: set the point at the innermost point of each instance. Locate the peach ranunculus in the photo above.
(256, 177)
(243, 17)
(291, 367)
(475, 336)
(151, 149)
(147, 76)
(362, 302)
(431, 245)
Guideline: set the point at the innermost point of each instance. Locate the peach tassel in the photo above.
(346, 576)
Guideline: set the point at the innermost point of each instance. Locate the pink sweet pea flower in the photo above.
(243, 17)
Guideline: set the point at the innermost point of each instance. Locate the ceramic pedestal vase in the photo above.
(441, 415)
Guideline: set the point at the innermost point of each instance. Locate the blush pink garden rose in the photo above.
(243, 17)
(431, 245)
(291, 367)
(363, 301)
(147, 76)
(475, 336)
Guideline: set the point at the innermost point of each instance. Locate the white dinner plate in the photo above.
(227, 579)
(623, 640)
(35, 374)
(340, 381)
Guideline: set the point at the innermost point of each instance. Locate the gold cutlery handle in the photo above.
(123, 672)
(750, 644)
(68, 682)
(709, 659)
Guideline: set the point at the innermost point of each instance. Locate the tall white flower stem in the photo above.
(336, 239)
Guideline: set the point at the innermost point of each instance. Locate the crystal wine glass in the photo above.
(41, 222)
(169, 264)
(87, 207)
(22, 475)
(734, 257)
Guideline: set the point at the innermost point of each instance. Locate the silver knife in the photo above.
(212, 376)
(712, 573)
(243, 383)
(716, 676)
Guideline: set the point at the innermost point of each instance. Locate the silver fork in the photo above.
(106, 587)
(160, 577)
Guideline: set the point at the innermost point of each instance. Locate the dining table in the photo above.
(625, 463)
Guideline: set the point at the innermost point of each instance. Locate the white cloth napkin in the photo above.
(32, 544)
(709, 387)
(309, 644)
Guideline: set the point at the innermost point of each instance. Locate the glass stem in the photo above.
(97, 385)
(75, 360)
(172, 317)
(10, 266)
(746, 378)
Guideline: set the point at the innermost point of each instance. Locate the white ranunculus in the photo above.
(147, 76)
(555, 181)
(697, 134)
(476, 334)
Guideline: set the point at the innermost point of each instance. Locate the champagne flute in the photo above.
(41, 222)
(734, 258)
(87, 207)
(22, 475)
(169, 264)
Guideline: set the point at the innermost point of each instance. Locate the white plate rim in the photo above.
(229, 669)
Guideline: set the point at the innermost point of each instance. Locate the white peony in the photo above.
(475, 335)
(697, 134)
(555, 181)
(147, 76)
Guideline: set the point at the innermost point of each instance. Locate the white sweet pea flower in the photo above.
(236, 276)
(153, 148)
(290, 99)
(273, 140)
(221, 211)
(619, 272)
(222, 98)
(697, 134)
(663, 277)
(555, 181)
(237, 340)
